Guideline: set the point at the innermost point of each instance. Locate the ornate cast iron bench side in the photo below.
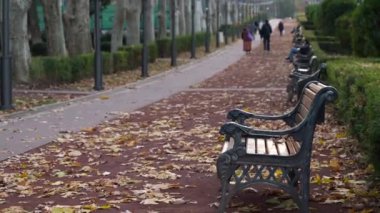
(251, 156)
(298, 81)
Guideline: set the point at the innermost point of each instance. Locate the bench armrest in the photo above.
(231, 128)
(240, 116)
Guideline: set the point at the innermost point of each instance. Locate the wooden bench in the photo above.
(276, 157)
(298, 81)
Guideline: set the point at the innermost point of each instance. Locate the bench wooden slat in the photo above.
(272, 149)
(282, 149)
(251, 146)
(260, 146)
(315, 87)
(309, 93)
(303, 110)
(306, 101)
(291, 147)
(298, 118)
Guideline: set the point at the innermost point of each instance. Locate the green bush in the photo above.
(366, 29)
(357, 81)
(343, 31)
(50, 70)
(331, 10)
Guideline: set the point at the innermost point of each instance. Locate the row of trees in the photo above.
(67, 29)
(356, 24)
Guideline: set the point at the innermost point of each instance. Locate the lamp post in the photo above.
(192, 29)
(98, 62)
(217, 24)
(173, 43)
(6, 74)
(207, 40)
(144, 61)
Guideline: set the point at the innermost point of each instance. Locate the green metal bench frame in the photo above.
(238, 170)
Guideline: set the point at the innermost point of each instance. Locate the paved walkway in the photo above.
(26, 131)
(152, 146)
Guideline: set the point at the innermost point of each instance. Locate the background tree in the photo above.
(150, 20)
(181, 17)
(162, 5)
(118, 24)
(133, 12)
(19, 39)
(77, 26)
(33, 27)
(55, 37)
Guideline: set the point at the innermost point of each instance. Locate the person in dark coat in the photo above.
(265, 32)
(281, 27)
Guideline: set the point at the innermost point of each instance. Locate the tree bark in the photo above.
(19, 39)
(54, 28)
(133, 21)
(118, 23)
(150, 21)
(181, 17)
(162, 18)
(33, 27)
(187, 12)
(77, 27)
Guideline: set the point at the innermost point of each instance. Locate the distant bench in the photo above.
(276, 157)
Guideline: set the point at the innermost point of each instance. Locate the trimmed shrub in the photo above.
(357, 81)
(366, 29)
(343, 31)
(331, 10)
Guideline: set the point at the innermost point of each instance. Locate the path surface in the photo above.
(31, 130)
(152, 147)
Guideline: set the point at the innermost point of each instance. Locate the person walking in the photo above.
(265, 32)
(281, 27)
(247, 37)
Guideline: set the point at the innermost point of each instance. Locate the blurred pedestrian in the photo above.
(247, 37)
(281, 27)
(265, 32)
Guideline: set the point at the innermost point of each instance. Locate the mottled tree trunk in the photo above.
(118, 23)
(213, 15)
(150, 21)
(133, 21)
(181, 17)
(54, 28)
(77, 27)
(33, 27)
(188, 16)
(19, 39)
(162, 18)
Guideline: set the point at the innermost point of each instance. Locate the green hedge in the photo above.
(366, 29)
(358, 83)
(56, 70)
(183, 43)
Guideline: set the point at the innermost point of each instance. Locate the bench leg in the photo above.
(304, 195)
(224, 199)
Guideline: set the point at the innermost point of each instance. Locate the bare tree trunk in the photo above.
(118, 23)
(150, 21)
(19, 39)
(54, 28)
(181, 17)
(133, 21)
(33, 27)
(213, 15)
(187, 12)
(162, 18)
(77, 27)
